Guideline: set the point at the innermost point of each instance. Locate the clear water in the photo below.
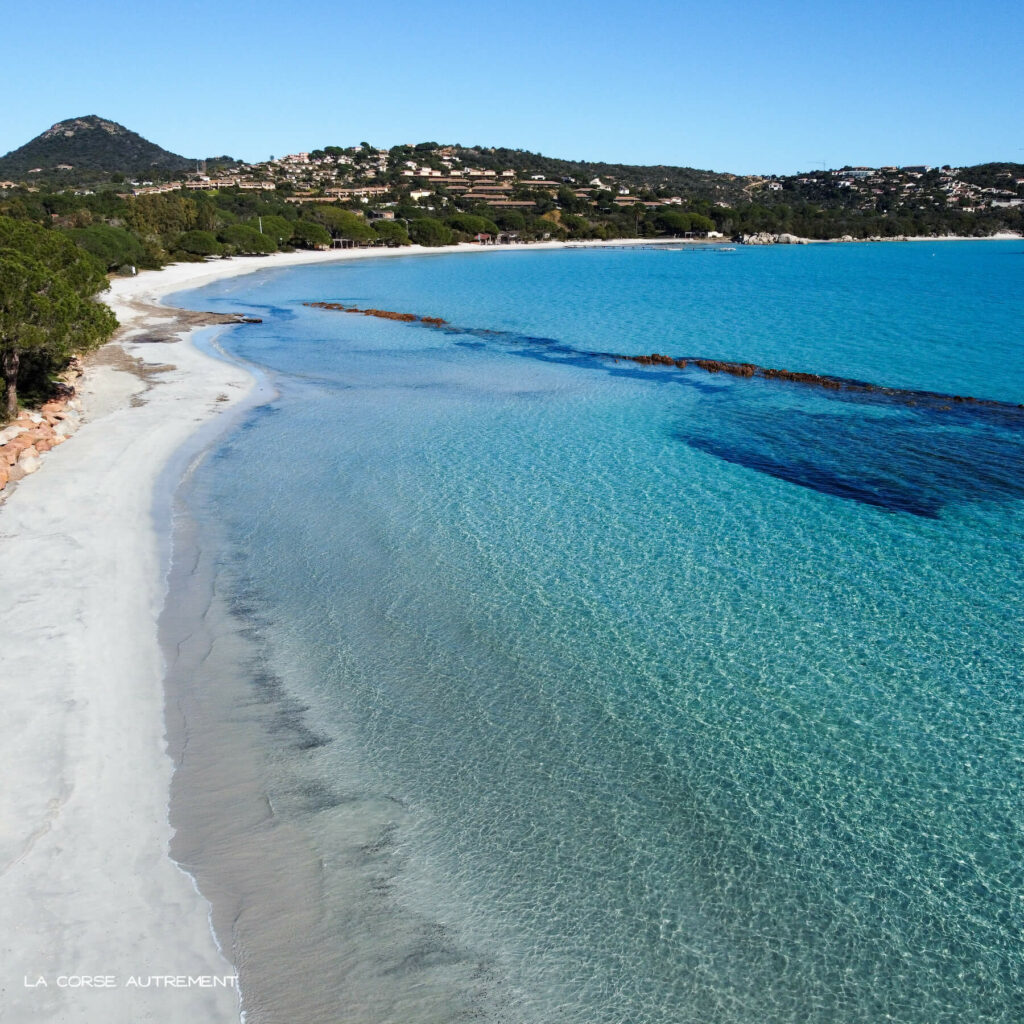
(695, 699)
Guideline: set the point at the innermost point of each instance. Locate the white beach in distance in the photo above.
(97, 922)
(91, 905)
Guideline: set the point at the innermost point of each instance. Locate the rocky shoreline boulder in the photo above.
(767, 238)
(35, 432)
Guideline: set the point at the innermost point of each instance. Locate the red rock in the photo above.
(14, 448)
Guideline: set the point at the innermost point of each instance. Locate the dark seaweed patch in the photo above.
(903, 462)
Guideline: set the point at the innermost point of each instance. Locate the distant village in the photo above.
(359, 173)
(904, 185)
(379, 177)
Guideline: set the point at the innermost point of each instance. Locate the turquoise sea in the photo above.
(574, 690)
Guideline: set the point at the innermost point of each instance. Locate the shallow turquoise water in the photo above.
(701, 696)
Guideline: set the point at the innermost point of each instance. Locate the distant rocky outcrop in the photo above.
(767, 238)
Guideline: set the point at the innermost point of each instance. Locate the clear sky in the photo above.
(729, 86)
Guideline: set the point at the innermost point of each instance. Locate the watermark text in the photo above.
(108, 981)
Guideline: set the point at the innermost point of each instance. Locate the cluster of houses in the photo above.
(201, 183)
(914, 185)
(418, 174)
(348, 175)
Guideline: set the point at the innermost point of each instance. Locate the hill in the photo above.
(710, 185)
(84, 147)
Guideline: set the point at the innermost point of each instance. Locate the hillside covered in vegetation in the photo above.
(82, 149)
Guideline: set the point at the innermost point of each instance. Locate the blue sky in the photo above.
(743, 87)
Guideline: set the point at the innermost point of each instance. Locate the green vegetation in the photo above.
(93, 148)
(711, 185)
(308, 235)
(469, 225)
(674, 222)
(344, 223)
(47, 311)
(246, 240)
(390, 232)
(198, 243)
(278, 228)
(115, 249)
(430, 231)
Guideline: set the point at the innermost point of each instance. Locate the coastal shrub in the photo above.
(114, 248)
(669, 222)
(278, 228)
(510, 220)
(221, 219)
(166, 216)
(391, 232)
(56, 252)
(47, 312)
(577, 226)
(672, 222)
(244, 238)
(198, 243)
(431, 232)
(307, 235)
(471, 225)
(344, 223)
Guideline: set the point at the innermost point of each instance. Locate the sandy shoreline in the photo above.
(92, 908)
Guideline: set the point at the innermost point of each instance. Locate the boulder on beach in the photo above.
(13, 449)
(11, 432)
(28, 460)
(67, 426)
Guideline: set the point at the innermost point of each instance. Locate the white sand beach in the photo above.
(97, 923)
(89, 899)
